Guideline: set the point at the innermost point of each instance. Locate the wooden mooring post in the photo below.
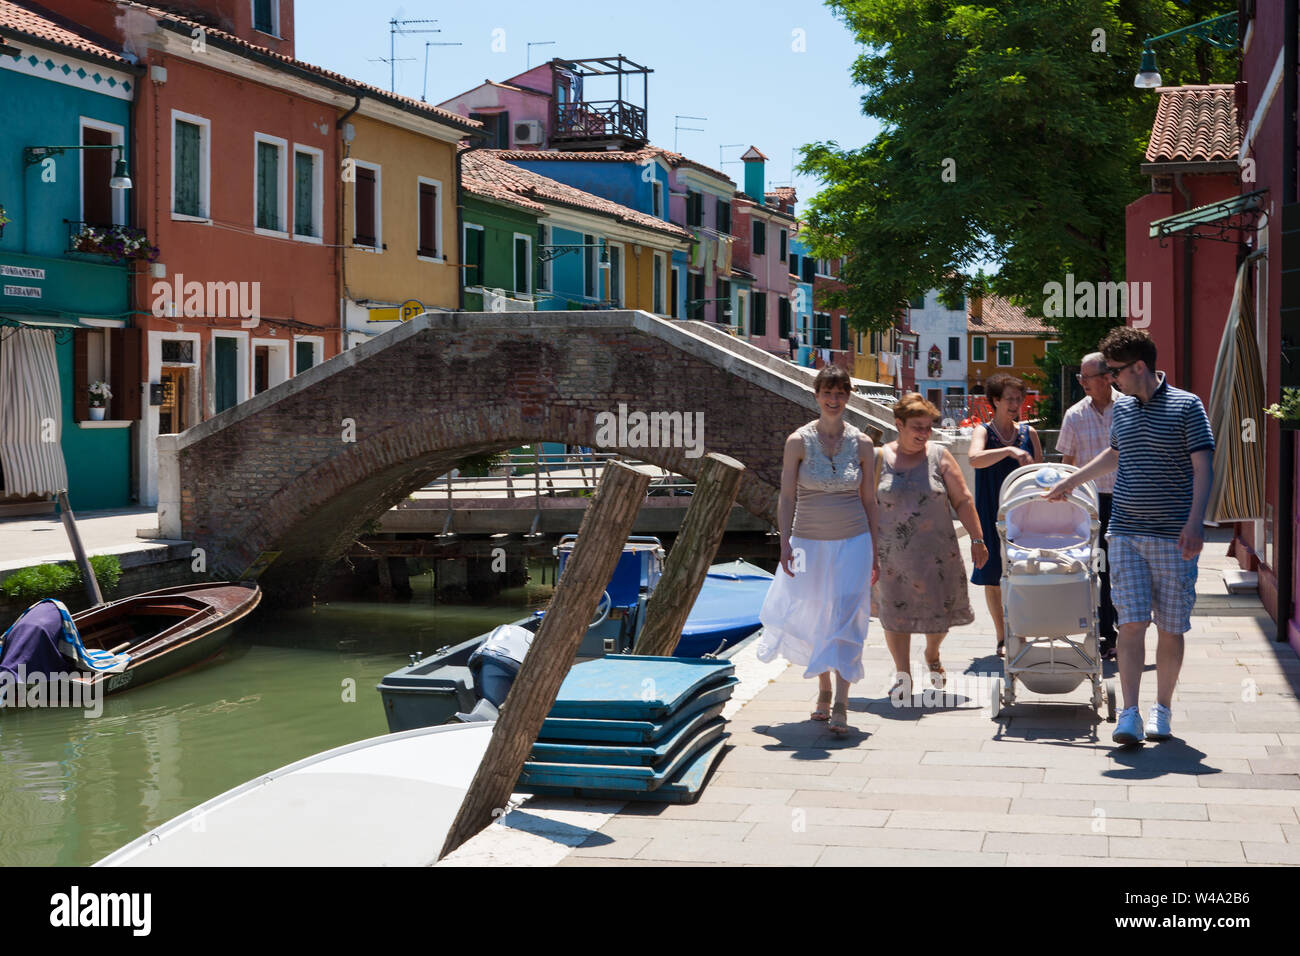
(693, 551)
(88, 579)
(605, 527)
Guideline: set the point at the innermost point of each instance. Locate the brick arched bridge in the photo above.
(302, 468)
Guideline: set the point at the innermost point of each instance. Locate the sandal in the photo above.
(938, 676)
(839, 723)
(1002, 648)
(822, 710)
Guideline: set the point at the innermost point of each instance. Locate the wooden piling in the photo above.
(605, 527)
(74, 538)
(693, 551)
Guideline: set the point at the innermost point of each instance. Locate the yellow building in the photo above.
(1001, 337)
(398, 219)
(877, 358)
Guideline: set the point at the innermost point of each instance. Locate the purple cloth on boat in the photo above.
(33, 640)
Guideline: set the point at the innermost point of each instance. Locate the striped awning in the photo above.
(1236, 415)
(31, 414)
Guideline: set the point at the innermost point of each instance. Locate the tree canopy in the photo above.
(1011, 134)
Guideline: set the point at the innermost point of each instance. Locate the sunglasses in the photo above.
(1114, 370)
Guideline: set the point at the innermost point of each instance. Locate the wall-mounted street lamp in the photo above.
(32, 155)
(1217, 31)
(554, 250)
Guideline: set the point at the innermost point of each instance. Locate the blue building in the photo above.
(65, 253)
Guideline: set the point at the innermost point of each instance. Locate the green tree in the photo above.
(1011, 134)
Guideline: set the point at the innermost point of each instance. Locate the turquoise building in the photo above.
(65, 254)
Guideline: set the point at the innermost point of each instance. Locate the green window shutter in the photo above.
(844, 331)
(977, 348)
(542, 242)
(589, 266)
(304, 195)
(783, 317)
(616, 275)
(268, 186)
(522, 264)
(262, 18)
(760, 237)
(304, 357)
(226, 377)
(783, 249)
(187, 190)
(474, 257)
(758, 321)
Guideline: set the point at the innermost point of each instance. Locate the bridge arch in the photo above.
(302, 468)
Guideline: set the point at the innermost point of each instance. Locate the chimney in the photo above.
(754, 174)
(976, 309)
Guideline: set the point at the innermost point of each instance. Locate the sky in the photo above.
(734, 62)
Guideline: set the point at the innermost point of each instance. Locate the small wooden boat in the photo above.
(163, 631)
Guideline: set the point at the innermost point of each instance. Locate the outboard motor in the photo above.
(495, 664)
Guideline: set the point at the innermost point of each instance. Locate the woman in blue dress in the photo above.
(997, 448)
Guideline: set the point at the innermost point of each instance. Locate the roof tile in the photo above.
(1194, 124)
(22, 20)
(1000, 316)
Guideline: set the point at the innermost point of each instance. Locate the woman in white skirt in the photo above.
(818, 608)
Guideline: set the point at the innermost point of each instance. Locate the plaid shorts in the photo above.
(1149, 574)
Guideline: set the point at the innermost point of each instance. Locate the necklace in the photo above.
(1002, 438)
(839, 441)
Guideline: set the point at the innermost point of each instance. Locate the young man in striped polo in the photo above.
(1160, 441)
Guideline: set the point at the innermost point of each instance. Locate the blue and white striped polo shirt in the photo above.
(1153, 487)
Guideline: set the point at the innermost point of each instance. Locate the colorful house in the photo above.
(802, 266)
(941, 331)
(67, 250)
(1003, 338)
(762, 232)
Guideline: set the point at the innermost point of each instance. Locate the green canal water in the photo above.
(73, 789)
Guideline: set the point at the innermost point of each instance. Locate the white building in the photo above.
(941, 349)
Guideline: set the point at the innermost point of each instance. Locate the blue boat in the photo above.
(458, 678)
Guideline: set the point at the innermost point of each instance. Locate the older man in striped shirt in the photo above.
(1085, 434)
(1161, 443)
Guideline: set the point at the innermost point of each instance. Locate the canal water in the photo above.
(73, 789)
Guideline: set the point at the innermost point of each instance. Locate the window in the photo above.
(474, 255)
(1005, 354)
(225, 372)
(523, 264)
(265, 17)
(308, 195)
(821, 330)
(724, 217)
(306, 353)
(844, 331)
(758, 317)
(589, 266)
(760, 238)
(794, 263)
(658, 199)
(954, 348)
(659, 277)
(616, 275)
(271, 195)
(977, 345)
(366, 211)
(781, 248)
(809, 267)
(1049, 345)
(676, 289)
(496, 126)
(191, 166)
(783, 317)
(917, 301)
(722, 307)
(430, 212)
(543, 268)
(101, 205)
(695, 296)
(872, 340)
(694, 208)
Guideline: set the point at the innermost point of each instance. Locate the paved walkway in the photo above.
(38, 539)
(941, 783)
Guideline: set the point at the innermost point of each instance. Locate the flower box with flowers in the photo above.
(116, 242)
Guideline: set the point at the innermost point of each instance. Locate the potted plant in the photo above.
(99, 396)
(1287, 412)
(4, 221)
(117, 242)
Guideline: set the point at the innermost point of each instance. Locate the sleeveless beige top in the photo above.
(828, 503)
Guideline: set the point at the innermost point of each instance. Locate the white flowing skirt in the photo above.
(819, 617)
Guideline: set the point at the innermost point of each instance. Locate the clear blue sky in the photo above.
(731, 61)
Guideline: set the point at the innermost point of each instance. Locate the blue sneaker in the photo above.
(1128, 729)
(1158, 723)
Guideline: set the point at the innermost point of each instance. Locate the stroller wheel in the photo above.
(995, 698)
(1110, 701)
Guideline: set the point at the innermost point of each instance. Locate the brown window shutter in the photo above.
(124, 349)
(428, 216)
(80, 377)
(365, 215)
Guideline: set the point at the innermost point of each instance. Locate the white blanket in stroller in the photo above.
(1046, 537)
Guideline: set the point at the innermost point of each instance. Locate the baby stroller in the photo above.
(1051, 556)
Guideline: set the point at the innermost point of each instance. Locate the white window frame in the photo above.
(117, 136)
(514, 264)
(440, 245)
(997, 354)
(619, 300)
(205, 166)
(984, 349)
(243, 363)
(317, 194)
(283, 346)
(464, 228)
(741, 315)
(317, 343)
(275, 18)
(1047, 345)
(378, 248)
(282, 186)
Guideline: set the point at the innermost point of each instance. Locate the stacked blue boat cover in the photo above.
(633, 728)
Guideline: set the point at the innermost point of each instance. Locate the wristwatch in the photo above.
(976, 540)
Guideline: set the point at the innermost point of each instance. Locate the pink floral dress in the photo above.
(922, 587)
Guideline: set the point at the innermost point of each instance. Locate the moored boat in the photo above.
(131, 641)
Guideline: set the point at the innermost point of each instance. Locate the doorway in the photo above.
(173, 413)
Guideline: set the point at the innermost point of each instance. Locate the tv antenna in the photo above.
(537, 43)
(728, 146)
(427, 44)
(395, 27)
(677, 127)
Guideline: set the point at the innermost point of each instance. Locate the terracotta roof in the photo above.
(1000, 316)
(56, 30)
(487, 174)
(611, 156)
(753, 153)
(375, 92)
(1194, 124)
(785, 194)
